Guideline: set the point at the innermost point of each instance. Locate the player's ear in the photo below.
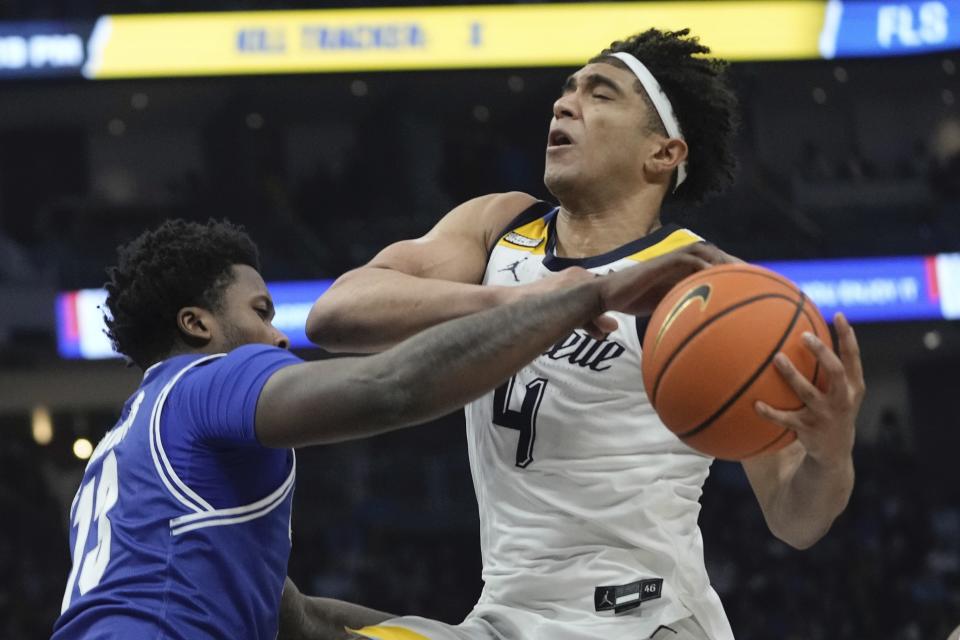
(667, 155)
(195, 325)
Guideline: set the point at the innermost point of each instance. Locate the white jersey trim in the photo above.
(177, 488)
(234, 515)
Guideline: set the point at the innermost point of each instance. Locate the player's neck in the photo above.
(589, 228)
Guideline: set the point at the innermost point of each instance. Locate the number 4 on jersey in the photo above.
(524, 420)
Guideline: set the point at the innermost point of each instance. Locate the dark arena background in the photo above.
(330, 145)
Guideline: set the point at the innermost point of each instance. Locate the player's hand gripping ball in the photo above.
(708, 358)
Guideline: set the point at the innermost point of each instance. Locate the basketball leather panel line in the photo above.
(756, 374)
(781, 436)
(680, 347)
(643, 323)
(816, 365)
(792, 289)
(816, 375)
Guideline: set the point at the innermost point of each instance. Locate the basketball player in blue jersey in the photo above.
(181, 526)
(588, 504)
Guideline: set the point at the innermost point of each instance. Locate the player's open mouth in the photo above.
(558, 138)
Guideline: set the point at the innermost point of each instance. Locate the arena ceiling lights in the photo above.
(463, 37)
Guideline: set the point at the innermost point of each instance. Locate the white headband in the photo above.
(660, 102)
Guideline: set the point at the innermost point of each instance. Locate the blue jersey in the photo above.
(181, 526)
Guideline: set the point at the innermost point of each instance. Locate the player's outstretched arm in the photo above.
(307, 618)
(415, 284)
(447, 366)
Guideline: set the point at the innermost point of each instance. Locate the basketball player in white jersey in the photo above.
(588, 504)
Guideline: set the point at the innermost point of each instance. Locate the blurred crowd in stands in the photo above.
(391, 523)
(324, 176)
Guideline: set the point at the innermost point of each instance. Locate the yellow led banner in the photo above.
(436, 38)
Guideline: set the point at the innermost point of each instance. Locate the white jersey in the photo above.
(588, 503)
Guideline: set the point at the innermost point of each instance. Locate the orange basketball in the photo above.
(708, 357)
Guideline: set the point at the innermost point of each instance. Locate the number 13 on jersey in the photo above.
(524, 420)
(89, 566)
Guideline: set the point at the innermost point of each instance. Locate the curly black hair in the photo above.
(702, 100)
(178, 264)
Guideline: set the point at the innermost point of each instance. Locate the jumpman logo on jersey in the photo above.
(512, 268)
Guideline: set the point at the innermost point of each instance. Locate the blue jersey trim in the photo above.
(177, 488)
(233, 515)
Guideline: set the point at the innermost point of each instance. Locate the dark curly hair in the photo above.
(178, 264)
(703, 102)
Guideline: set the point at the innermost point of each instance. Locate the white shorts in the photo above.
(477, 628)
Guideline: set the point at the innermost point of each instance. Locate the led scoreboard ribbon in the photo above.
(274, 42)
(865, 289)
(865, 29)
(81, 331)
(431, 38)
